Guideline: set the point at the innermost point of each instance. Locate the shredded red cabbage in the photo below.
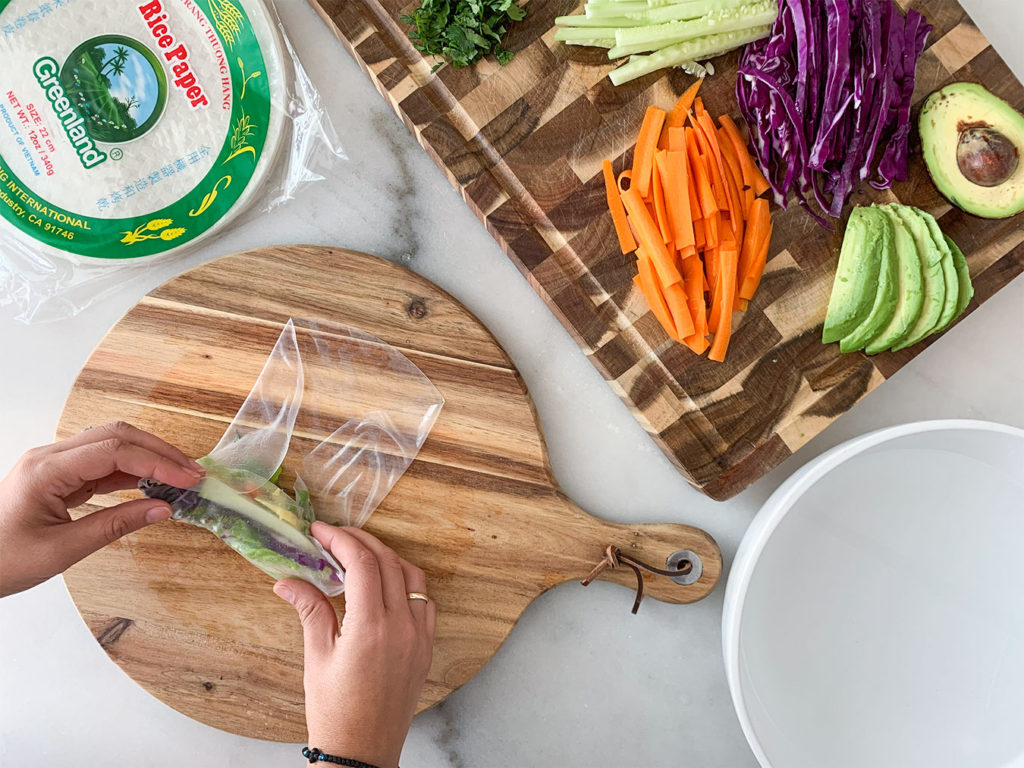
(827, 96)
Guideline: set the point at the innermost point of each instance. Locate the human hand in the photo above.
(362, 682)
(38, 538)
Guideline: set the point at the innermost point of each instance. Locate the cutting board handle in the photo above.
(662, 545)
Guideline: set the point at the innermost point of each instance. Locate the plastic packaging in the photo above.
(341, 411)
(132, 130)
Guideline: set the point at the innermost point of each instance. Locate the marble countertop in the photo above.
(580, 682)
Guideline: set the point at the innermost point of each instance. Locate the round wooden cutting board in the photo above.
(478, 509)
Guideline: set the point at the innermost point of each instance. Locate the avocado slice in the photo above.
(910, 294)
(948, 270)
(963, 272)
(931, 273)
(886, 294)
(856, 283)
(972, 143)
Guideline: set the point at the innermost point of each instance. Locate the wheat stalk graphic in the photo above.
(143, 232)
(227, 19)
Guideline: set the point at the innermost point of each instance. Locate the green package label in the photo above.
(131, 132)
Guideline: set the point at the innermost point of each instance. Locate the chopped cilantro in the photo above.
(462, 31)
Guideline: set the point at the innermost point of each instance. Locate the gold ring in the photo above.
(418, 596)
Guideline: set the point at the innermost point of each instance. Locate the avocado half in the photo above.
(973, 142)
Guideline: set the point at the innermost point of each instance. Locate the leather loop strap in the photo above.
(614, 557)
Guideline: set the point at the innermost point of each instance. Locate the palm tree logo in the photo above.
(116, 62)
(117, 85)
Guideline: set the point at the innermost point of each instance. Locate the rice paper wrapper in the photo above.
(338, 410)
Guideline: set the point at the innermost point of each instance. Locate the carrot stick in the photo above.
(660, 207)
(742, 304)
(698, 232)
(699, 170)
(727, 295)
(676, 117)
(736, 212)
(691, 190)
(676, 138)
(698, 105)
(753, 278)
(711, 272)
(661, 317)
(748, 199)
(746, 193)
(646, 144)
(751, 240)
(752, 175)
(672, 168)
(652, 292)
(724, 259)
(693, 275)
(697, 343)
(712, 230)
(649, 237)
(707, 137)
(729, 155)
(675, 297)
(758, 228)
(626, 242)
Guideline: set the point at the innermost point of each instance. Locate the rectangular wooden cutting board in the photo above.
(524, 143)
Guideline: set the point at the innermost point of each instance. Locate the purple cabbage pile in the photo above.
(827, 98)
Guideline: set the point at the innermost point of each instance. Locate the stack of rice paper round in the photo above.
(134, 129)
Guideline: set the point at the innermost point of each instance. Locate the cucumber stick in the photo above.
(692, 50)
(220, 493)
(661, 14)
(586, 21)
(614, 10)
(673, 33)
(570, 34)
(633, 40)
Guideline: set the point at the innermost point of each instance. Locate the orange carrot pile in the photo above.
(691, 209)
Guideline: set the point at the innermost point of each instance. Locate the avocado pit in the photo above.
(985, 156)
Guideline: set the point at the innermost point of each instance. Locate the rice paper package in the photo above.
(337, 413)
(131, 130)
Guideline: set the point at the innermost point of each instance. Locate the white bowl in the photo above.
(874, 614)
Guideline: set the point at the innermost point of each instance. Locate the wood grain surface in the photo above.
(523, 144)
(478, 509)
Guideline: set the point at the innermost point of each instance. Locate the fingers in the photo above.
(394, 589)
(430, 621)
(92, 532)
(73, 468)
(363, 591)
(319, 621)
(415, 581)
(396, 578)
(120, 430)
(118, 481)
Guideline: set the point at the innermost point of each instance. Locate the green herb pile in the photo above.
(462, 31)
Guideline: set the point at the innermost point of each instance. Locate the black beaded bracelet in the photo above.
(316, 756)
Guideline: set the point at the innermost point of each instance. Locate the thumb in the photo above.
(319, 620)
(92, 532)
